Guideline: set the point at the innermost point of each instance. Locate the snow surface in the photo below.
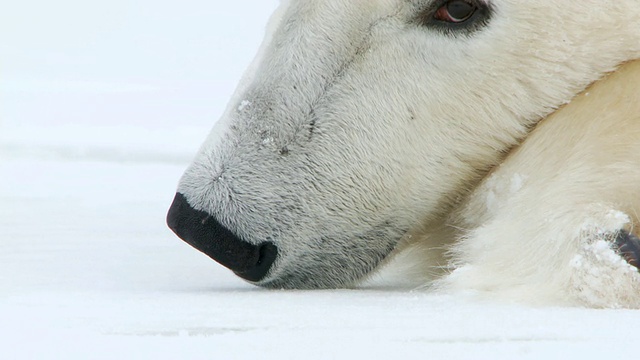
(102, 105)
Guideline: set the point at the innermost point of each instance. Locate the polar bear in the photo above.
(460, 128)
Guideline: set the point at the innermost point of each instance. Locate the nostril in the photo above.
(266, 256)
(205, 233)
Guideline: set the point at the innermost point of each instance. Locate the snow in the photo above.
(517, 181)
(244, 104)
(103, 105)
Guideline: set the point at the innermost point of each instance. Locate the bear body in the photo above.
(543, 224)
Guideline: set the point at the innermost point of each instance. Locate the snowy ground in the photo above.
(102, 105)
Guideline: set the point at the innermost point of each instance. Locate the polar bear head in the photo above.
(363, 120)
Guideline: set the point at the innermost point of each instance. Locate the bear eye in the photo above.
(455, 11)
(456, 17)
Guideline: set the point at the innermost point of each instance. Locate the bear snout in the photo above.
(205, 233)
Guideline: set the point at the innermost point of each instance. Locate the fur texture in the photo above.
(544, 222)
(361, 128)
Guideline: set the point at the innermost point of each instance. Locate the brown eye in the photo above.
(455, 11)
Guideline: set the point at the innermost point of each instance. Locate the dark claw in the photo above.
(629, 247)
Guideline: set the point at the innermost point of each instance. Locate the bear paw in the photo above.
(628, 246)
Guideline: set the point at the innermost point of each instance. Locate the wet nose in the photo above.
(206, 234)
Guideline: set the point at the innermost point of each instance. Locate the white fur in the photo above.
(549, 241)
(359, 130)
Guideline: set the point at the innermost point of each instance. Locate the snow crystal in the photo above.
(619, 217)
(577, 261)
(517, 181)
(492, 201)
(612, 222)
(500, 189)
(244, 104)
(602, 275)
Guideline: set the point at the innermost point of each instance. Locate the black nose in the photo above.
(205, 233)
